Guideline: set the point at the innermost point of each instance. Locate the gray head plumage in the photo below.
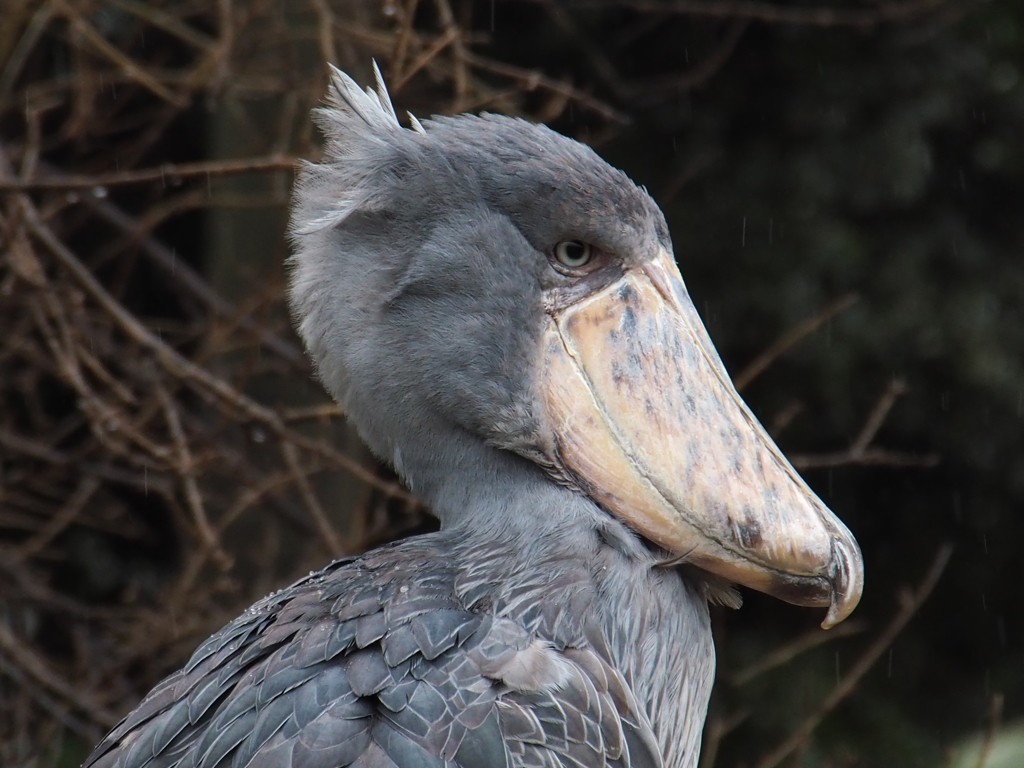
(430, 289)
(404, 234)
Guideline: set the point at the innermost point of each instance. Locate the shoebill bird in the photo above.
(500, 314)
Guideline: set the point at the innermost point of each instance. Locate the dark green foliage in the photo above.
(887, 162)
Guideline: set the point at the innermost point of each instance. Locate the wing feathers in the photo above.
(350, 669)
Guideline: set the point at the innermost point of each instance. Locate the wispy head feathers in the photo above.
(360, 127)
(374, 107)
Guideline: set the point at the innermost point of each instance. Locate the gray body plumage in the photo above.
(442, 651)
(534, 629)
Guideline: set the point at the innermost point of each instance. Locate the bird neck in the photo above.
(548, 557)
(490, 493)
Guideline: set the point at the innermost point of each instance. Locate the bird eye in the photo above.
(573, 253)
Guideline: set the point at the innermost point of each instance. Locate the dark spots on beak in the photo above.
(629, 321)
(649, 407)
(618, 376)
(627, 294)
(749, 531)
(677, 346)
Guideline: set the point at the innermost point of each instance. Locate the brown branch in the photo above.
(37, 668)
(323, 411)
(532, 79)
(718, 728)
(664, 87)
(167, 173)
(53, 527)
(424, 58)
(149, 481)
(323, 525)
(181, 273)
(872, 457)
(790, 650)
(95, 367)
(204, 382)
(599, 62)
(165, 21)
(771, 13)
(910, 602)
(186, 471)
(859, 451)
(784, 417)
(122, 62)
(325, 31)
(461, 70)
(791, 337)
(55, 709)
(896, 389)
(108, 423)
(25, 45)
(40, 592)
(402, 39)
(245, 501)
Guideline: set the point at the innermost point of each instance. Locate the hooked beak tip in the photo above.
(847, 582)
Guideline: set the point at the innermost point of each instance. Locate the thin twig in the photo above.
(203, 381)
(186, 470)
(790, 338)
(325, 31)
(665, 87)
(875, 420)
(596, 54)
(121, 61)
(717, 729)
(25, 45)
(402, 39)
(56, 709)
(784, 417)
(460, 69)
(772, 13)
(168, 173)
(425, 58)
(323, 525)
(872, 457)
(149, 481)
(322, 411)
(53, 527)
(178, 270)
(165, 21)
(37, 668)
(860, 451)
(532, 79)
(790, 650)
(910, 602)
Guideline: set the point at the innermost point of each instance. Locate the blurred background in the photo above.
(843, 182)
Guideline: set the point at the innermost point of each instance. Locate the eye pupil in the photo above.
(573, 253)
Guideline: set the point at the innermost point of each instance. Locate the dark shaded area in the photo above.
(796, 163)
(888, 164)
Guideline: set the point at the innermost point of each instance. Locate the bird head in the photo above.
(488, 278)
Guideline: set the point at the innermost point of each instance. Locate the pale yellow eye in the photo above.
(573, 253)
